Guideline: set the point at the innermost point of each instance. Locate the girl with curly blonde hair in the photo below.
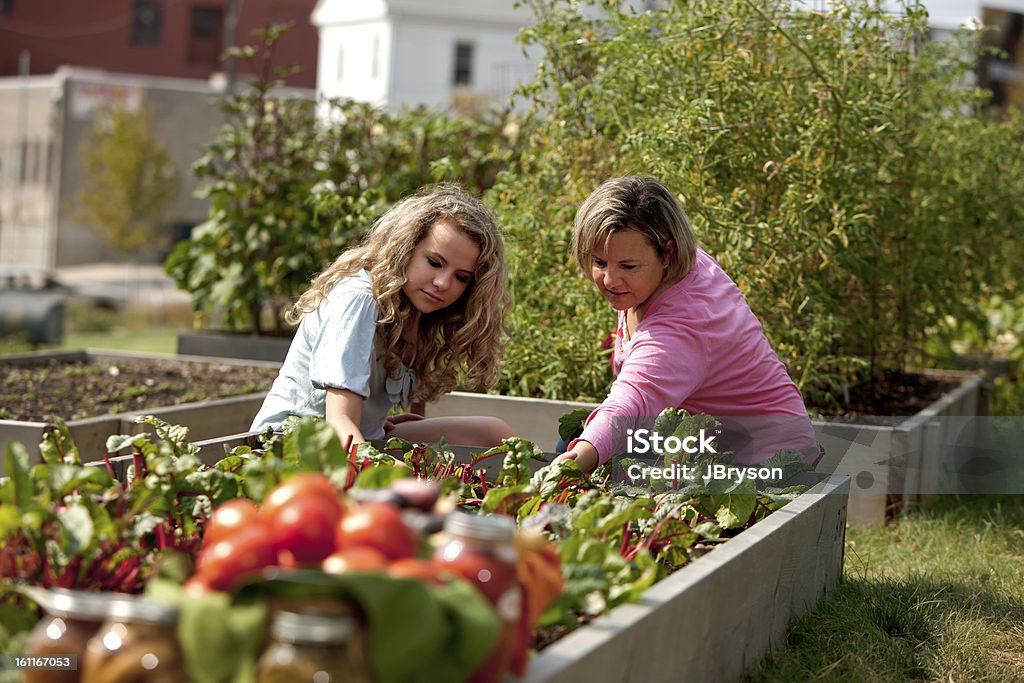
(401, 318)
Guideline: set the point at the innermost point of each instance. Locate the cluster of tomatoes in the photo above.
(306, 522)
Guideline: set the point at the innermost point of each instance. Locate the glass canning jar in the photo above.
(481, 548)
(313, 648)
(136, 644)
(70, 619)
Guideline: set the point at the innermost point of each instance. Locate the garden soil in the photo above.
(87, 389)
(74, 390)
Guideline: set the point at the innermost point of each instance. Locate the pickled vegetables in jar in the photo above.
(313, 648)
(71, 618)
(136, 644)
(481, 548)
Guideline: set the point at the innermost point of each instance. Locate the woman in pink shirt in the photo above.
(686, 337)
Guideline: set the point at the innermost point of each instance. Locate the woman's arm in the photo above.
(664, 365)
(343, 412)
(584, 453)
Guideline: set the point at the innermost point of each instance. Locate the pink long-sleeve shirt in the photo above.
(700, 348)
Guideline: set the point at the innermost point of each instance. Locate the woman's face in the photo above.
(441, 267)
(627, 269)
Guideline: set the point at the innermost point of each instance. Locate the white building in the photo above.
(948, 15)
(943, 15)
(408, 52)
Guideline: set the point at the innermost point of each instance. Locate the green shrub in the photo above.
(833, 162)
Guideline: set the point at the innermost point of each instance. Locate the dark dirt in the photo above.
(893, 394)
(74, 390)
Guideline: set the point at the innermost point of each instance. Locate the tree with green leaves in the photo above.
(130, 180)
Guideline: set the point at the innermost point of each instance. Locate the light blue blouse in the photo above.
(336, 346)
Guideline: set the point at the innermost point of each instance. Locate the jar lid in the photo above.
(135, 608)
(312, 628)
(480, 527)
(72, 604)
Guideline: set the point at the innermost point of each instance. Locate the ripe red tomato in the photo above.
(355, 559)
(379, 526)
(305, 527)
(416, 568)
(303, 485)
(229, 517)
(224, 563)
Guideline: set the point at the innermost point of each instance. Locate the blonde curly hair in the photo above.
(462, 342)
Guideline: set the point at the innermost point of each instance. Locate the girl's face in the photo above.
(441, 267)
(627, 269)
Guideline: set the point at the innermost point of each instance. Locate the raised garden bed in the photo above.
(119, 387)
(894, 460)
(233, 345)
(891, 460)
(717, 617)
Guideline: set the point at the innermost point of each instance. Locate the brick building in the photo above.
(172, 38)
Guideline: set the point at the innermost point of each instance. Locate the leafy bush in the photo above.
(293, 181)
(833, 162)
(991, 339)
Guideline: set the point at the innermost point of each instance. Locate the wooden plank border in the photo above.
(719, 616)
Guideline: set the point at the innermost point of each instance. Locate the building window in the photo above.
(35, 162)
(6, 6)
(147, 22)
(206, 35)
(463, 73)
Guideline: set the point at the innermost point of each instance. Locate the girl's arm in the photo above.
(343, 412)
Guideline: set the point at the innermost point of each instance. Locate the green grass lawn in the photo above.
(937, 596)
(136, 330)
(152, 340)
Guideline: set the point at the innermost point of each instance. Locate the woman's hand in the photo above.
(585, 455)
(393, 420)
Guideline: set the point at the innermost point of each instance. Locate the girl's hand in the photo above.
(393, 420)
(583, 453)
(343, 412)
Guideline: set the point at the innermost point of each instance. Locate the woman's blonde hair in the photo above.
(463, 341)
(635, 203)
